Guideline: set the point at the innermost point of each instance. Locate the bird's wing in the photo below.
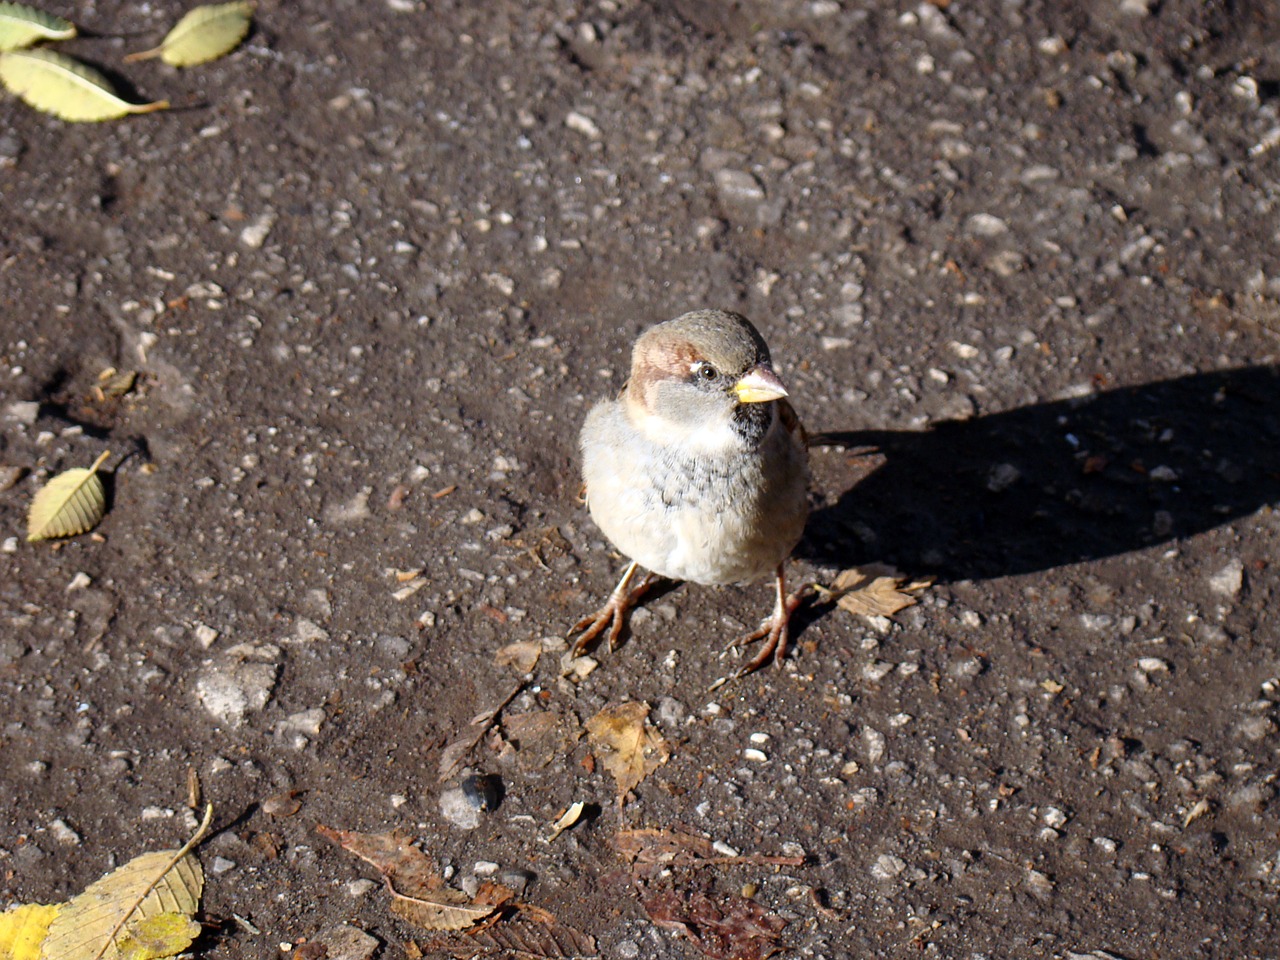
(790, 420)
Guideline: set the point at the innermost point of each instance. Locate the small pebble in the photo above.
(517, 880)
(1054, 817)
(64, 834)
(458, 810)
(581, 123)
(887, 866)
(1228, 581)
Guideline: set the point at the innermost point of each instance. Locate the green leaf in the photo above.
(70, 503)
(164, 935)
(64, 87)
(21, 26)
(204, 34)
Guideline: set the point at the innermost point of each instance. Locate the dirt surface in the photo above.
(1024, 257)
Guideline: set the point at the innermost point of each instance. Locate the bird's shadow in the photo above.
(1054, 483)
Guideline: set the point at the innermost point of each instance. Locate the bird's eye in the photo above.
(707, 372)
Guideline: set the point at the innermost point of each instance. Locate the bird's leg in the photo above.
(614, 612)
(773, 630)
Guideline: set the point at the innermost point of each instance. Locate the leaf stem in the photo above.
(173, 861)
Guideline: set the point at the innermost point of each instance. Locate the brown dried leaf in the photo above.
(393, 854)
(540, 737)
(875, 590)
(737, 929)
(661, 846)
(675, 847)
(446, 909)
(418, 893)
(625, 743)
(456, 751)
(537, 939)
(523, 655)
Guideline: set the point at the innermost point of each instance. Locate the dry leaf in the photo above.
(393, 854)
(164, 935)
(539, 737)
(875, 590)
(113, 383)
(446, 909)
(537, 939)
(737, 929)
(664, 848)
(567, 819)
(203, 34)
(625, 743)
(523, 655)
(146, 886)
(418, 892)
(23, 929)
(65, 88)
(456, 751)
(21, 26)
(72, 502)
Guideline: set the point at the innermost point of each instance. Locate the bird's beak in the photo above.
(760, 384)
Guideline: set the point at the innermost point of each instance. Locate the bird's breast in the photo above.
(728, 518)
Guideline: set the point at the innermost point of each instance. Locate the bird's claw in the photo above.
(613, 614)
(773, 631)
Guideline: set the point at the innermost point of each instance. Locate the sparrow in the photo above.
(698, 471)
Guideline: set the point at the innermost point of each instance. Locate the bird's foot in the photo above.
(613, 615)
(773, 630)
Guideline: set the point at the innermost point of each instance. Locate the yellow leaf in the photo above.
(625, 743)
(23, 929)
(146, 886)
(875, 590)
(21, 26)
(64, 87)
(203, 34)
(70, 503)
(164, 935)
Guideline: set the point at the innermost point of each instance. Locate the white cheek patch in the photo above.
(708, 438)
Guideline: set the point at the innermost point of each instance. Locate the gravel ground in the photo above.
(1022, 258)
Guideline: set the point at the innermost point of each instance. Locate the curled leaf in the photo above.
(203, 34)
(21, 26)
(446, 909)
(72, 502)
(65, 88)
(567, 819)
